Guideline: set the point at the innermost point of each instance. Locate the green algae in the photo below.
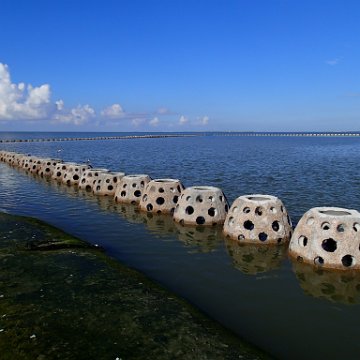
(74, 302)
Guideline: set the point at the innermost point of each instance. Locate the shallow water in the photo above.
(292, 313)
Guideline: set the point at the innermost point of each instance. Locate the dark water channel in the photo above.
(289, 310)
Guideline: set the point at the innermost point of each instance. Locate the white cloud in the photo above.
(137, 121)
(183, 120)
(21, 102)
(204, 120)
(114, 111)
(163, 111)
(333, 62)
(154, 122)
(77, 116)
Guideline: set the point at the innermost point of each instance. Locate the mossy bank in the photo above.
(62, 298)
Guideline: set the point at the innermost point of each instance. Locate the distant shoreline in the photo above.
(192, 134)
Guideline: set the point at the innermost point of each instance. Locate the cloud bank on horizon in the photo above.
(28, 104)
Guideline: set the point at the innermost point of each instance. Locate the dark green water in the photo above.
(291, 312)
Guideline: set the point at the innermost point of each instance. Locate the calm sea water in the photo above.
(289, 310)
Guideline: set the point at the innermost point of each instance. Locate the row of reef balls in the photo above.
(326, 237)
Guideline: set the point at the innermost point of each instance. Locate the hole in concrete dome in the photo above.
(356, 227)
(175, 199)
(83, 181)
(246, 210)
(88, 187)
(241, 237)
(221, 198)
(258, 198)
(160, 200)
(248, 225)
(68, 182)
(124, 186)
(76, 177)
(279, 240)
(263, 236)
(226, 208)
(188, 198)
(288, 219)
(181, 222)
(145, 197)
(47, 170)
(172, 210)
(161, 190)
(235, 209)
(282, 209)
(199, 199)
(348, 260)
(116, 198)
(98, 188)
(299, 259)
(273, 210)
(179, 188)
(149, 207)
(137, 193)
(158, 212)
(142, 183)
(110, 187)
(259, 211)
(275, 225)
(64, 167)
(189, 210)
(212, 211)
(334, 212)
(329, 245)
(340, 228)
(211, 198)
(58, 174)
(319, 261)
(115, 179)
(107, 181)
(200, 220)
(325, 226)
(303, 240)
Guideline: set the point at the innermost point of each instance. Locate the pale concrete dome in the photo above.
(107, 182)
(131, 188)
(89, 178)
(47, 167)
(161, 195)
(35, 166)
(60, 170)
(260, 219)
(328, 237)
(201, 205)
(73, 173)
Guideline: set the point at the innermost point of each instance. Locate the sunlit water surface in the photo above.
(289, 310)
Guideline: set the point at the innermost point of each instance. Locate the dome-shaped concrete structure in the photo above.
(131, 188)
(201, 205)
(328, 237)
(47, 167)
(35, 166)
(60, 170)
(161, 196)
(89, 177)
(106, 183)
(73, 173)
(260, 219)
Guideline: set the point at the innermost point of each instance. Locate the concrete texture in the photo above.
(260, 219)
(47, 167)
(89, 177)
(161, 196)
(201, 205)
(328, 237)
(73, 173)
(131, 188)
(106, 183)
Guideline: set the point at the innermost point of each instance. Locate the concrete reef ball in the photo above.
(47, 167)
(260, 219)
(131, 188)
(89, 177)
(27, 161)
(328, 237)
(161, 196)
(60, 170)
(73, 173)
(106, 183)
(35, 167)
(201, 205)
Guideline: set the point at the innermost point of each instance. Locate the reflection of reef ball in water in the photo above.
(340, 287)
(328, 237)
(254, 259)
(260, 219)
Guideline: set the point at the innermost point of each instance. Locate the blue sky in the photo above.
(263, 65)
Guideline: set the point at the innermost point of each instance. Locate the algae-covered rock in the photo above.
(74, 302)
